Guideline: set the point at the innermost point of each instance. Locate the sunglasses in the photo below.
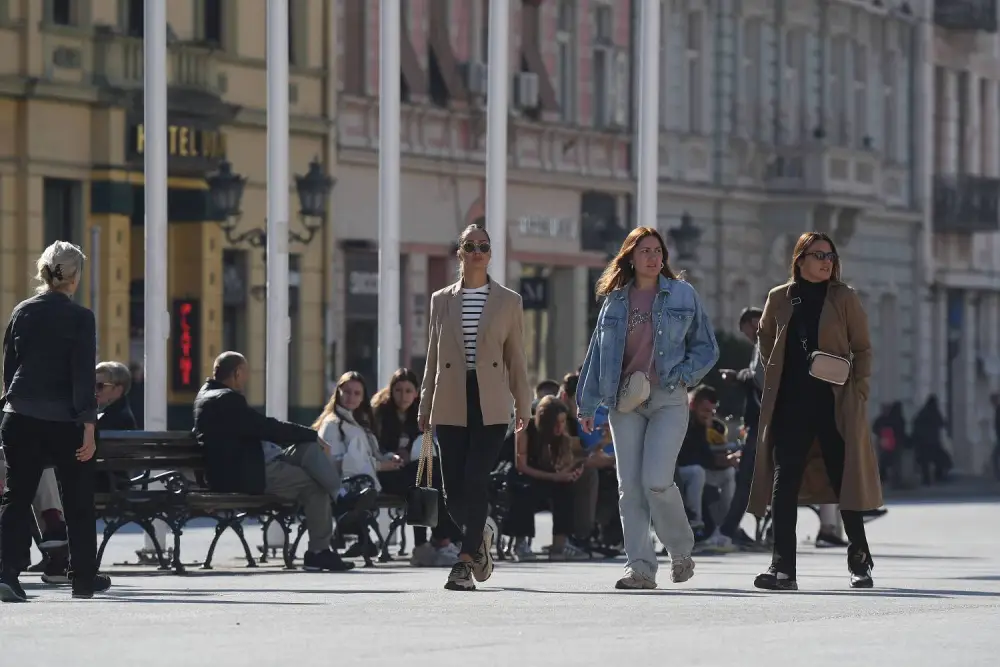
(823, 256)
(101, 385)
(472, 246)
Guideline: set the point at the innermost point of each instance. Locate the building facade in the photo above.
(569, 173)
(963, 286)
(71, 168)
(783, 116)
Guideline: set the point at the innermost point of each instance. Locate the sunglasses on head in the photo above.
(821, 256)
(472, 246)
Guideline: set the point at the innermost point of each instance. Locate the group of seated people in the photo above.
(550, 465)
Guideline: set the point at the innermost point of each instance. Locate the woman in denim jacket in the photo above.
(650, 322)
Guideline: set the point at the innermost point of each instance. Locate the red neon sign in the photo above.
(185, 341)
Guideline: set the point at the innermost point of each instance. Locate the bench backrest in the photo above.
(149, 450)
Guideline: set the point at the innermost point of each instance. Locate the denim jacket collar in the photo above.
(622, 292)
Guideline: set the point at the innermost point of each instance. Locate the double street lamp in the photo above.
(226, 192)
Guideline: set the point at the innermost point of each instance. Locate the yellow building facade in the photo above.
(71, 168)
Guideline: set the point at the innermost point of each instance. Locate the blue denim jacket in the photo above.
(684, 346)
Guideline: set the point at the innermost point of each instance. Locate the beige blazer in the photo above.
(501, 368)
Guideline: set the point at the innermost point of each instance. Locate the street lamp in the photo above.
(226, 192)
(685, 238)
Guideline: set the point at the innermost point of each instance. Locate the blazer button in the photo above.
(447, 365)
(494, 364)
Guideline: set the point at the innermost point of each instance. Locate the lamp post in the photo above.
(685, 238)
(226, 193)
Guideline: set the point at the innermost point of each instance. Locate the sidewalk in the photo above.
(958, 487)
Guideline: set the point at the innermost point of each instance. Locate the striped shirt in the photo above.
(473, 301)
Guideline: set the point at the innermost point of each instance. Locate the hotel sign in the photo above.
(184, 142)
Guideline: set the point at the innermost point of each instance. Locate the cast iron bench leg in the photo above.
(237, 526)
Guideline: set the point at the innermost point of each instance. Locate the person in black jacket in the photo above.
(244, 454)
(49, 417)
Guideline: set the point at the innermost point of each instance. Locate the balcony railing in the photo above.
(118, 62)
(969, 15)
(966, 204)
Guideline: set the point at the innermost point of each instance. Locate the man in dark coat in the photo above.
(246, 452)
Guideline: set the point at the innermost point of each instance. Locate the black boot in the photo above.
(860, 564)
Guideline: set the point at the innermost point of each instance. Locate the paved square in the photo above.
(937, 602)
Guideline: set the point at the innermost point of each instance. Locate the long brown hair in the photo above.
(387, 425)
(553, 449)
(362, 414)
(802, 247)
(461, 240)
(619, 271)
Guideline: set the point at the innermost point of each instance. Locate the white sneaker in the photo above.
(718, 543)
(424, 555)
(569, 552)
(523, 552)
(633, 581)
(446, 556)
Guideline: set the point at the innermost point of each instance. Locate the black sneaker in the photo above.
(56, 570)
(84, 590)
(10, 589)
(325, 561)
(54, 537)
(357, 551)
(460, 577)
(860, 564)
(744, 542)
(773, 580)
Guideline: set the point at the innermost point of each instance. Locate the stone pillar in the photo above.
(989, 138)
(195, 272)
(567, 321)
(110, 210)
(307, 369)
(416, 342)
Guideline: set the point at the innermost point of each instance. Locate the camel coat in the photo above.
(843, 331)
(501, 368)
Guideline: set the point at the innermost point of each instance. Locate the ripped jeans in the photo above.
(647, 442)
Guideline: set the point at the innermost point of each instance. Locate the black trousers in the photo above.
(468, 455)
(529, 495)
(31, 445)
(794, 430)
(741, 496)
(398, 482)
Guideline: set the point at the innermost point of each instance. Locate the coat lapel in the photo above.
(490, 309)
(455, 315)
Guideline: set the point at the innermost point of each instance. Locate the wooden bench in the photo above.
(173, 464)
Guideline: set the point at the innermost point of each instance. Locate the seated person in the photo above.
(243, 454)
(395, 412)
(696, 464)
(599, 461)
(720, 472)
(547, 466)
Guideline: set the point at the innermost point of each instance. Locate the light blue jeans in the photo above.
(647, 442)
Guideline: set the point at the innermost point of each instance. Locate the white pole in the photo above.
(496, 136)
(649, 132)
(157, 319)
(278, 180)
(389, 334)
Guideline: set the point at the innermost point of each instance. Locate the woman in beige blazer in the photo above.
(475, 370)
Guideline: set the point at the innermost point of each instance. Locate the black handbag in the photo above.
(422, 501)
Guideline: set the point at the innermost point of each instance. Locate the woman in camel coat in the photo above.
(814, 428)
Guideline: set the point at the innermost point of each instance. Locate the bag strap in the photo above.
(800, 325)
(426, 462)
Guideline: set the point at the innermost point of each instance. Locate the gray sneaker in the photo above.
(681, 569)
(633, 581)
(482, 568)
(460, 577)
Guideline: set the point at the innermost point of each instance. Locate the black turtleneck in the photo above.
(796, 383)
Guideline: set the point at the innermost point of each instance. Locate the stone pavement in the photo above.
(937, 602)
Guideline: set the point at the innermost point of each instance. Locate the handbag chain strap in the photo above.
(426, 462)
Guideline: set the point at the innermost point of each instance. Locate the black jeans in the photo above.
(398, 482)
(741, 496)
(468, 455)
(793, 433)
(529, 495)
(30, 446)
